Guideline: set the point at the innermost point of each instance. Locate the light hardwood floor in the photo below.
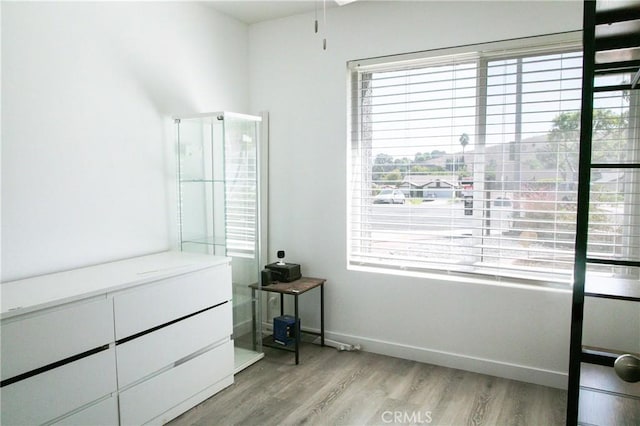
(358, 388)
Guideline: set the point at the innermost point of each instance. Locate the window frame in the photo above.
(482, 54)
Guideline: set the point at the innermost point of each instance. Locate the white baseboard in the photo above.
(242, 328)
(523, 373)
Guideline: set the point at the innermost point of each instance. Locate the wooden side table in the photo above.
(295, 289)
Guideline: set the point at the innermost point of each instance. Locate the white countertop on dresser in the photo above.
(31, 294)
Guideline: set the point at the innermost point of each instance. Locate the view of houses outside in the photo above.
(491, 181)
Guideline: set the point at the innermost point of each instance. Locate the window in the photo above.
(614, 199)
(482, 142)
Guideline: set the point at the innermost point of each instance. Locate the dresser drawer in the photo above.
(35, 340)
(103, 413)
(151, 352)
(51, 394)
(163, 301)
(150, 399)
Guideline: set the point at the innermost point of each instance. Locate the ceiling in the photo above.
(251, 11)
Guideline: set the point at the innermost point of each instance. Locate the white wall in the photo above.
(521, 333)
(87, 92)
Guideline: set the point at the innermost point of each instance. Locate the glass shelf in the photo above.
(210, 240)
(218, 170)
(201, 181)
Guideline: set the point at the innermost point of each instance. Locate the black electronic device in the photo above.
(266, 277)
(284, 272)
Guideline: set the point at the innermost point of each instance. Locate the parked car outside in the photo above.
(429, 196)
(389, 196)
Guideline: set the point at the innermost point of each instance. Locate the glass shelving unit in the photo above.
(219, 188)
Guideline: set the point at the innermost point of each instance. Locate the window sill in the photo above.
(476, 280)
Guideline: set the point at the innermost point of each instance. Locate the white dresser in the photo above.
(130, 342)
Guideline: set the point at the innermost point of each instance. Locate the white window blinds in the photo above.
(241, 194)
(468, 163)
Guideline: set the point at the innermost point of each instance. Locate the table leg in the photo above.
(297, 328)
(322, 314)
(254, 326)
(281, 304)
